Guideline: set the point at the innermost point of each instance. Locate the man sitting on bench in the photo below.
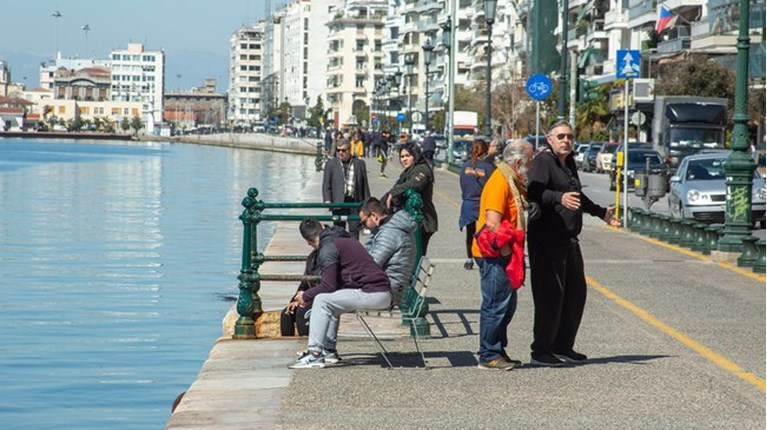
(391, 244)
(350, 280)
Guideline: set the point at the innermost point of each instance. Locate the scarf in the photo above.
(349, 183)
(518, 191)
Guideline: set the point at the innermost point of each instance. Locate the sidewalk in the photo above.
(674, 340)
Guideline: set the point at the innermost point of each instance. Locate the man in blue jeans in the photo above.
(350, 280)
(501, 210)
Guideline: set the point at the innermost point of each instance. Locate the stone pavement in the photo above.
(674, 341)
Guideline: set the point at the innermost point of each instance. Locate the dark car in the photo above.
(637, 160)
(589, 160)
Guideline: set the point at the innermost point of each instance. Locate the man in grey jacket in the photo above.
(345, 180)
(391, 243)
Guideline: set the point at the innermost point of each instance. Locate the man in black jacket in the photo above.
(556, 264)
(345, 180)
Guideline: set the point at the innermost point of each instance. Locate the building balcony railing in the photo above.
(641, 8)
(674, 46)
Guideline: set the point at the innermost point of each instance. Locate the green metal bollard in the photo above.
(750, 254)
(665, 228)
(759, 265)
(687, 234)
(699, 234)
(654, 225)
(676, 231)
(712, 239)
(248, 302)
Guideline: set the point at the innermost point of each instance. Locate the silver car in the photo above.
(698, 189)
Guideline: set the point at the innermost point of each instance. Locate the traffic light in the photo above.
(587, 90)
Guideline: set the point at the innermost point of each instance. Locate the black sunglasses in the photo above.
(561, 136)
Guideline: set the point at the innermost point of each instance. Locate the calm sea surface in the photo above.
(116, 263)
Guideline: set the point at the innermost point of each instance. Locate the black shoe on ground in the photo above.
(506, 357)
(545, 360)
(571, 356)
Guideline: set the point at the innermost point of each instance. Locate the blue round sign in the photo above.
(538, 86)
(400, 117)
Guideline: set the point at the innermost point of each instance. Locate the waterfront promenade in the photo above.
(674, 341)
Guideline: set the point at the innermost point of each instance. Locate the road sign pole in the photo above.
(626, 153)
(537, 121)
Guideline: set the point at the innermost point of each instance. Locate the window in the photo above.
(360, 82)
(360, 45)
(115, 111)
(360, 63)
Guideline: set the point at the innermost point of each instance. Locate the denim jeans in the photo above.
(499, 301)
(328, 307)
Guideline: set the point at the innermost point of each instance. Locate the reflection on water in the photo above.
(114, 259)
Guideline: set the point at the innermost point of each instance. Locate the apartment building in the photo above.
(245, 74)
(271, 90)
(138, 75)
(355, 58)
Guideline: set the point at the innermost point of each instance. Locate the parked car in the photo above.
(589, 160)
(637, 160)
(579, 150)
(605, 156)
(698, 189)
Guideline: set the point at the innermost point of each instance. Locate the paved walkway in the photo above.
(674, 340)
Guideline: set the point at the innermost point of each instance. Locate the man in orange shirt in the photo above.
(501, 227)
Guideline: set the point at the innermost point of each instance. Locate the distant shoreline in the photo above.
(64, 135)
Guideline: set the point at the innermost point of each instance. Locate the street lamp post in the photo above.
(739, 168)
(86, 28)
(489, 19)
(428, 49)
(447, 41)
(409, 63)
(56, 15)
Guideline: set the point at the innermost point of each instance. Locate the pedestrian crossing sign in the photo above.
(628, 63)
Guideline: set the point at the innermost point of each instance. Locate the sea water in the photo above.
(118, 261)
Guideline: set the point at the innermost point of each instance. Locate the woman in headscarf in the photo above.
(474, 174)
(419, 176)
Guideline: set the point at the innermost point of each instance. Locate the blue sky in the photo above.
(185, 29)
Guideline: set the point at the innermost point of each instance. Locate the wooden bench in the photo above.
(411, 310)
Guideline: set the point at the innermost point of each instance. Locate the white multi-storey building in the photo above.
(245, 74)
(139, 75)
(355, 58)
(271, 90)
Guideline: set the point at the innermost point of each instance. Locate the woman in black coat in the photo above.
(419, 176)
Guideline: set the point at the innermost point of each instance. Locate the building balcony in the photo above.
(641, 13)
(615, 20)
(390, 45)
(675, 45)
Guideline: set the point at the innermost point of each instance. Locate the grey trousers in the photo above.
(328, 307)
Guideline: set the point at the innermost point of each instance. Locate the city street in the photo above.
(596, 187)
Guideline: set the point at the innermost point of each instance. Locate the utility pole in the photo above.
(563, 65)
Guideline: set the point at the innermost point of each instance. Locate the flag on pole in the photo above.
(666, 19)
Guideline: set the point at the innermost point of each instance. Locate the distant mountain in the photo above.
(24, 65)
(193, 66)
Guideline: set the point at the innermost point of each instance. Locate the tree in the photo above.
(125, 124)
(592, 116)
(317, 113)
(136, 123)
(362, 114)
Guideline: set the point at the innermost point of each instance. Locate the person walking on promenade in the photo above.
(391, 244)
(474, 174)
(373, 142)
(498, 249)
(383, 150)
(357, 144)
(419, 176)
(350, 280)
(429, 146)
(293, 318)
(345, 179)
(556, 264)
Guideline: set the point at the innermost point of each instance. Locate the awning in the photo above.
(602, 79)
(584, 9)
(583, 58)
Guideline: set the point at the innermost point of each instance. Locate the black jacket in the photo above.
(420, 177)
(547, 181)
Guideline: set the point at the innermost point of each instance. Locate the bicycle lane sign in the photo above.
(538, 86)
